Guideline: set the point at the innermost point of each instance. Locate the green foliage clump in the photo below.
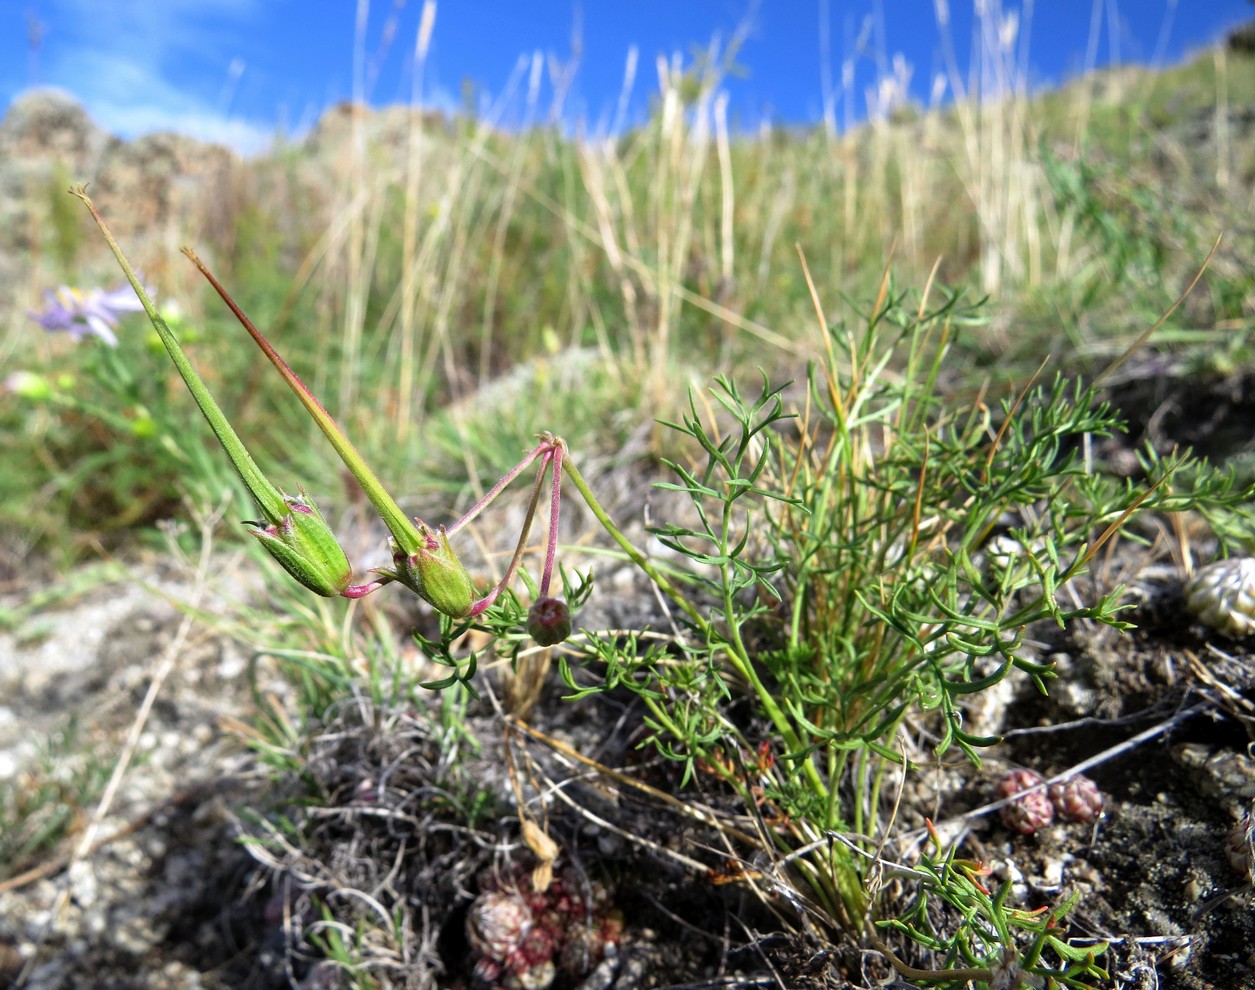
(876, 559)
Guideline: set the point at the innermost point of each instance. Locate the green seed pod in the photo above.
(435, 574)
(304, 545)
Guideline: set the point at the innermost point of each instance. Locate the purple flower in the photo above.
(84, 314)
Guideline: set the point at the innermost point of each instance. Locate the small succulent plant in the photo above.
(1221, 595)
(1076, 799)
(1029, 812)
(1239, 846)
(522, 938)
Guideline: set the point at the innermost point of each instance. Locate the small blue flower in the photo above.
(85, 314)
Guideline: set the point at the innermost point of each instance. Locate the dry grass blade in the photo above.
(1149, 331)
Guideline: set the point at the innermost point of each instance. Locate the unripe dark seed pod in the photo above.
(549, 621)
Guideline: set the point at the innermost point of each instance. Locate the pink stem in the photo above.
(555, 504)
(362, 590)
(492, 596)
(496, 490)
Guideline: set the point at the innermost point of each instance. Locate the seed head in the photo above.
(435, 573)
(303, 543)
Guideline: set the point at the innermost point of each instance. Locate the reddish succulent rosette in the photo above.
(522, 938)
(1076, 799)
(1028, 812)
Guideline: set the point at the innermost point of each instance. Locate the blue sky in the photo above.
(241, 71)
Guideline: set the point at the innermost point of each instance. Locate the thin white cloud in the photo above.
(140, 66)
(157, 28)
